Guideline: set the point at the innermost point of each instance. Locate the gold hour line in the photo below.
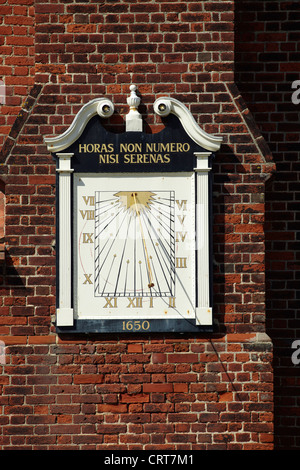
(151, 284)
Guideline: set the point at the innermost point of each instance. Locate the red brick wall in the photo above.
(135, 392)
(267, 63)
(17, 58)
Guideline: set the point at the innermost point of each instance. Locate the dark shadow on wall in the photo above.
(221, 205)
(267, 62)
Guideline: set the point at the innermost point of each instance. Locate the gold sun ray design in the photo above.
(136, 201)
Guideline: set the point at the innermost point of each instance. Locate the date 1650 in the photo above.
(135, 325)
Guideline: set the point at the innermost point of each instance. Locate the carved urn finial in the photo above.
(133, 100)
(134, 119)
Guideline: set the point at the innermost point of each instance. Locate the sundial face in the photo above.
(136, 245)
(134, 213)
(138, 258)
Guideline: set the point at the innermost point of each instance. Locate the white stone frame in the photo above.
(204, 309)
(101, 106)
(163, 107)
(64, 314)
(104, 108)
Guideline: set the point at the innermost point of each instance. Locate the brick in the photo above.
(148, 392)
(158, 387)
(88, 379)
(188, 358)
(112, 408)
(135, 398)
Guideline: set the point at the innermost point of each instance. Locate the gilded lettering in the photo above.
(88, 279)
(131, 147)
(109, 158)
(181, 204)
(111, 302)
(168, 147)
(95, 148)
(135, 147)
(146, 158)
(181, 263)
(135, 302)
(89, 200)
(82, 148)
(88, 214)
(88, 238)
(181, 219)
(180, 236)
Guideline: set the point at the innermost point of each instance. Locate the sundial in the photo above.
(134, 215)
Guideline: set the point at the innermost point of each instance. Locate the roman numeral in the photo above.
(89, 200)
(89, 215)
(181, 204)
(181, 263)
(88, 238)
(180, 236)
(88, 279)
(181, 218)
(111, 302)
(135, 302)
